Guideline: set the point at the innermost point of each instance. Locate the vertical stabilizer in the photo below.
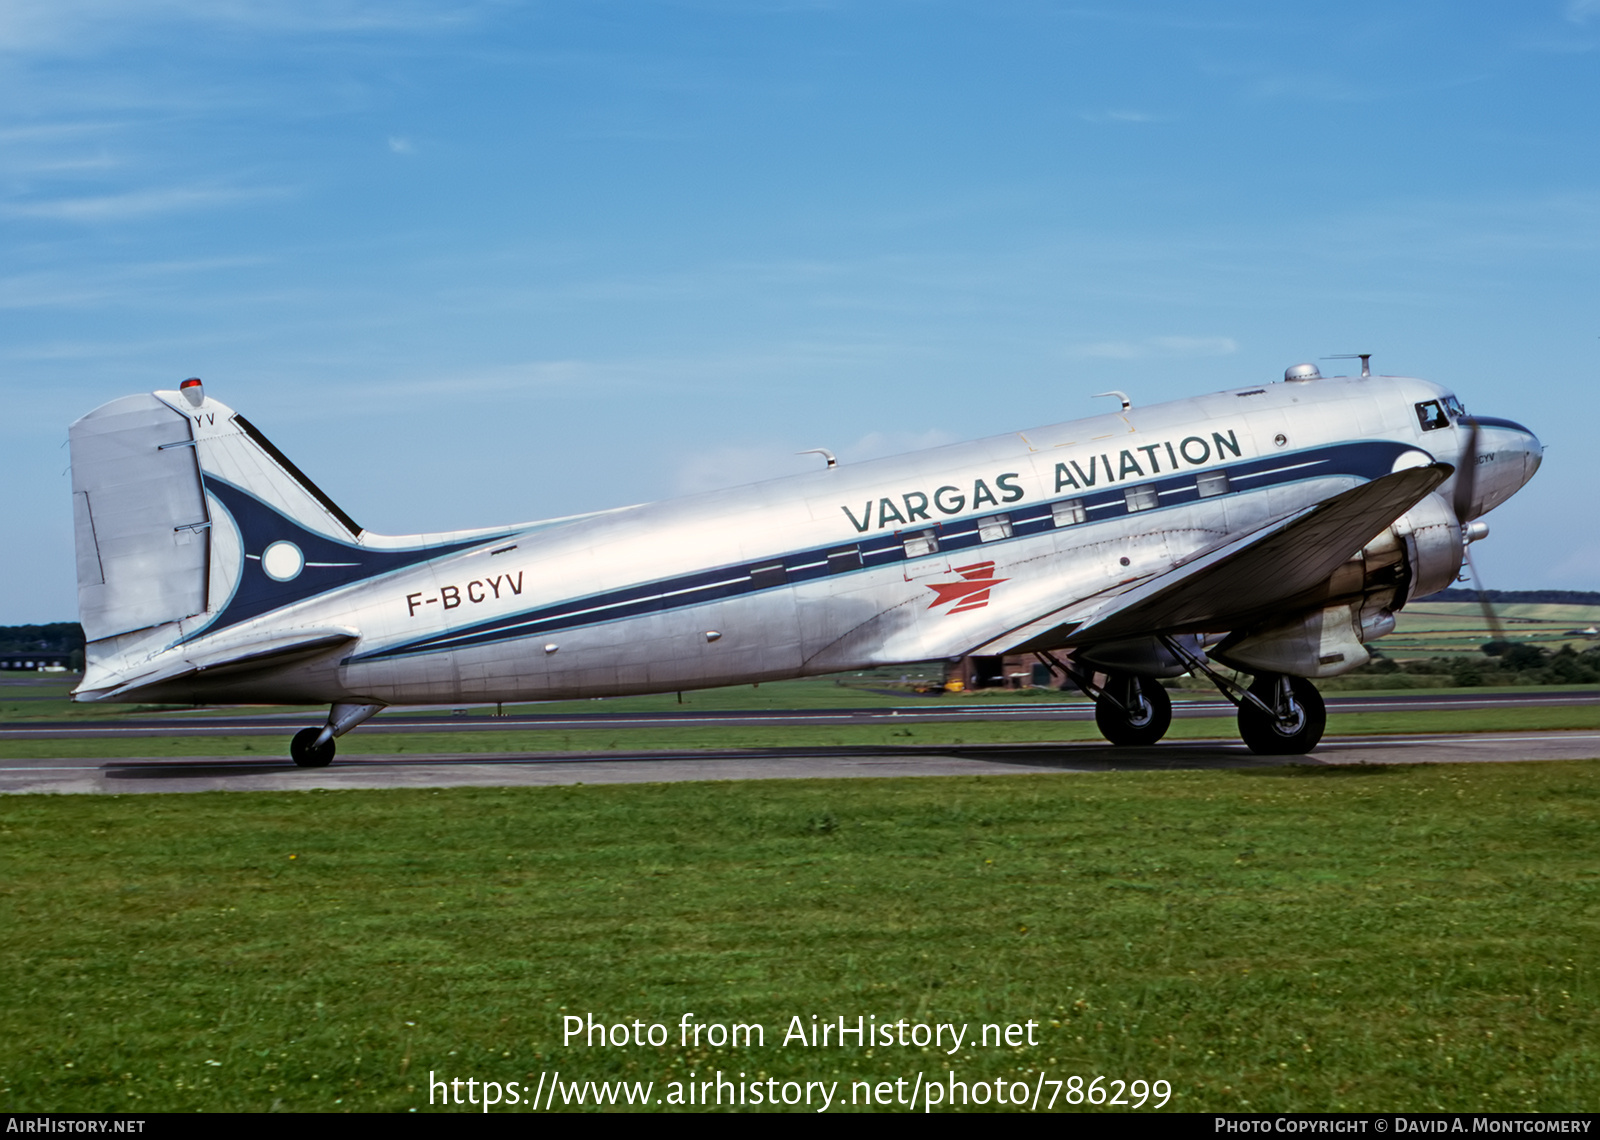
(155, 542)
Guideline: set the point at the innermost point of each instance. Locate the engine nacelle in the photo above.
(1418, 554)
(1434, 544)
(1323, 643)
(1146, 656)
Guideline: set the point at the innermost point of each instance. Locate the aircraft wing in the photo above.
(1238, 582)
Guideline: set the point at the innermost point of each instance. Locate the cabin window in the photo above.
(1212, 483)
(920, 542)
(1067, 513)
(843, 558)
(1140, 498)
(1432, 416)
(768, 574)
(1453, 406)
(994, 528)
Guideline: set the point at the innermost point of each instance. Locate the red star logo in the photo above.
(970, 594)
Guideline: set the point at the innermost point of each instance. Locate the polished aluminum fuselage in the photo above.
(833, 570)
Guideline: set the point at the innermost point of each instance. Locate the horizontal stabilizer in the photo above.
(1239, 582)
(260, 653)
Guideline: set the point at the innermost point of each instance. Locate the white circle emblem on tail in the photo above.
(283, 561)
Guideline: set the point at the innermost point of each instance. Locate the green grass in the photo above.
(1389, 938)
(1460, 628)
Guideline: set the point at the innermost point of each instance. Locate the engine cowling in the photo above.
(1433, 545)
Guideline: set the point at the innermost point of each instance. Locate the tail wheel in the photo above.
(1300, 716)
(1134, 710)
(305, 751)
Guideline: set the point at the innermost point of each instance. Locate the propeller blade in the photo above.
(1495, 629)
(1466, 487)
(1467, 474)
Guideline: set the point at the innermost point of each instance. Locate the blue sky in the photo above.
(472, 263)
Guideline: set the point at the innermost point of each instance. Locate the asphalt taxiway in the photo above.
(533, 765)
(474, 718)
(231, 773)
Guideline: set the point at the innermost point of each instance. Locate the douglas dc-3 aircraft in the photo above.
(1274, 529)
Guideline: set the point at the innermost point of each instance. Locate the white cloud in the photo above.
(503, 380)
(401, 145)
(734, 466)
(1158, 346)
(133, 204)
(1579, 11)
(57, 132)
(1575, 570)
(67, 165)
(1123, 116)
(877, 444)
(107, 284)
(73, 25)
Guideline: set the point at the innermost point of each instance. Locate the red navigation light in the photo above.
(193, 391)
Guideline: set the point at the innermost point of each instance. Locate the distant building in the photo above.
(35, 661)
(1013, 671)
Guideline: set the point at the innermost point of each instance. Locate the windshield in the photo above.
(1432, 416)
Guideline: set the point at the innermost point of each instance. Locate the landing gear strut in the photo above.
(1132, 710)
(314, 747)
(1279, 715)
(1296, 719)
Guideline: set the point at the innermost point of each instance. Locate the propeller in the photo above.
(1466, 488)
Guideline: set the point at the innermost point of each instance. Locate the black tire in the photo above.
(306, 754)
(1135, 710)
(1271, 736)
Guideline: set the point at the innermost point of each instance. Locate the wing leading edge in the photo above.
(1241, 581)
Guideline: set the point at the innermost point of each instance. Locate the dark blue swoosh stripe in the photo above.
(1366, 460)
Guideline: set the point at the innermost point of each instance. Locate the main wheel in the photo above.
(305, 751)
(1297, 727)
(1134, 710)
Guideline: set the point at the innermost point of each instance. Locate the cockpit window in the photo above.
(1453, 406)
(1431, 416)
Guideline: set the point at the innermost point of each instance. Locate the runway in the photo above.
(202, 774)
(932, 710)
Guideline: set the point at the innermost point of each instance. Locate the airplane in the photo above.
(1274, 530)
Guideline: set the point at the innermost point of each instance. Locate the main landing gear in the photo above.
(1285, 719)
(314, 747)
(1132, 710)
(1279, 715)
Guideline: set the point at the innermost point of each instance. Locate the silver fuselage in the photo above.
(833, 570)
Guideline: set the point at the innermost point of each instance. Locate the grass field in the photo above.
(1451, 628)
(1289, 939)
(1389, 938)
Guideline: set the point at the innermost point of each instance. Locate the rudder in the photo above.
(139, 517)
